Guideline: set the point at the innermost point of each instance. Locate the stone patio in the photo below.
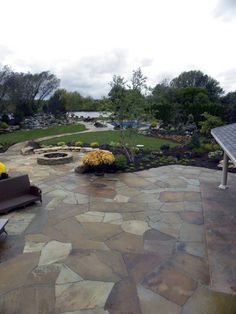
(159, 241)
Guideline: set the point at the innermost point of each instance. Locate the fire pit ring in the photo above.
(55, 158)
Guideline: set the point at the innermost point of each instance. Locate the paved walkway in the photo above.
(124, 243)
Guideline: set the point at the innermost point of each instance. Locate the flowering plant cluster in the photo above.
(3, 168)
(98, 158)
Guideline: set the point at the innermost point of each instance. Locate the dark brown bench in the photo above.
(17, 192)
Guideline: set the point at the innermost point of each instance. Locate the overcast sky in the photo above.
(85, 42)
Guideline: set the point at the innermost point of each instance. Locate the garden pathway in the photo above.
(123, 243)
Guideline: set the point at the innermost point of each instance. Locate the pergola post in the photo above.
(223, 184)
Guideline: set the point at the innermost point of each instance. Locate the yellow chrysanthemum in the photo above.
(3, 168)
(98, 158)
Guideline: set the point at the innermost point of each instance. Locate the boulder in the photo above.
(30, 147)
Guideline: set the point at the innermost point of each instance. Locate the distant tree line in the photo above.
(23, 93)
(172, 101)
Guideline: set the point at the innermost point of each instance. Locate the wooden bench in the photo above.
(3, 223)
(17, 192)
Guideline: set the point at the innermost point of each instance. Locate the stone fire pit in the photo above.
(55, 158)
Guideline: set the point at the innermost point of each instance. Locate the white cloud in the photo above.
(86, 42)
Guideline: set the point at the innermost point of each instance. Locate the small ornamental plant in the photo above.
(79, 143)
(3, 171)
(94, 144)
(3, 168)
(61, 144)
(98, 158)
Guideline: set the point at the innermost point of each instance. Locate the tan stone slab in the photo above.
(171, 284)
(54, 251)
(153, 303)
(206, 301)
(83, 295)
(13, 272)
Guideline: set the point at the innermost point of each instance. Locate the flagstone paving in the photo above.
(158, 241)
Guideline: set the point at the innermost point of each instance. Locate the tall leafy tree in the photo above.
(198, 79)
(129, 106)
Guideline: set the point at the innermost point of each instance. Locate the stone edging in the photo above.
(65, 148)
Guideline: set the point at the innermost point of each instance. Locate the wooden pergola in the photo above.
(226, 138)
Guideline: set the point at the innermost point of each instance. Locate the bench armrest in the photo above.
(34, 190)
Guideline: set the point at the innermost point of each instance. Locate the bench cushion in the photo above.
(19, 201)
(14, 187)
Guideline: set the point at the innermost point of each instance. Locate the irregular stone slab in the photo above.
(113, 218)
(53, 203)
(54, 251)
(90, 267)
(193, 206)
(121, 198)
(95, 311)
(192, 217)
(172, 207)
(193, 248)
(135, 227)
(33, 247)
(126, 242)
(14, 272)
(36, 238)
(19, 222)
(81, 199)
(83, 295)
(138, 265)
(59, 194)
(180, 196)
(123, 298)
(171, 284)
(195, 267)
(99, 231)
(67, 275)
(28, 300)
(162, 248)
(206, 301)
(44, 275)
(92, 216)
(191, 232)
(152, 303)
(165, 228)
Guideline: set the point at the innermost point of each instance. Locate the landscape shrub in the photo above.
(198, 152)
(165, 147)
(209, 123)
(210, 147)
(194, 141)
(3, 168)
(98, 158)
(3, 125)
(61, 144)
(120, 162)
(94, 144)
(153, 124)
(79, 143)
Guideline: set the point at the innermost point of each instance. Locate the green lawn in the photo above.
(21, 136)
(105, 137)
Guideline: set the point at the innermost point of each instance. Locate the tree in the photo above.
(229, 103)
(198, 79)
(56, 104)
(129, 107)
(138, 81)
(25, 90)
